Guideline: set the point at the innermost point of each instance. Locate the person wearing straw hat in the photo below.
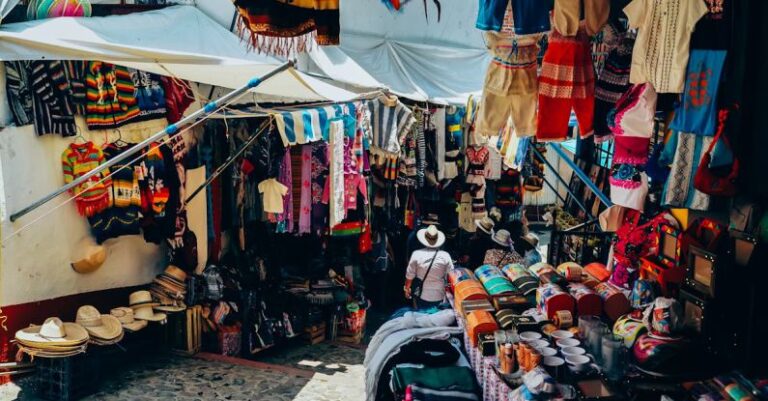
(427, 269)
(413, 243)
(481, 241)
(502, 252)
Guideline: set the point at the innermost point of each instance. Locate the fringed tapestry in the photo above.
(287, 27)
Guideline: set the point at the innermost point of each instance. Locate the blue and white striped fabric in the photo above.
(309, 125)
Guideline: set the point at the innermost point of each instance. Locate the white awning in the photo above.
(177, 41)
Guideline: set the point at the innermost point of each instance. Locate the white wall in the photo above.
(35, 264)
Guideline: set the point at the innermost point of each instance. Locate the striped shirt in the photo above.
(390, 121)
(19, 94)
(51, 103)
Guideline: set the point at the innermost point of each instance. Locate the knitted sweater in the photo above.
(93, 196)
(111, 101)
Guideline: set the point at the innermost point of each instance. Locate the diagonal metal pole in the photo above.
(230, 160)
(565, 184)
(582, 175)
(169, 130)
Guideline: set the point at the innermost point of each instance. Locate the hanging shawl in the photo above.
(275, 27)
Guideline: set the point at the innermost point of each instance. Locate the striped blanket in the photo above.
(310, 125)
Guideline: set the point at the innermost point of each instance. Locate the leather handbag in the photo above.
(708, 180)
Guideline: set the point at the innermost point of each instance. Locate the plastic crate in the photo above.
(69, 378)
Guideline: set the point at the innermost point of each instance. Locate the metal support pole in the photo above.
(567, 187)
(169, 130)
(582, 175)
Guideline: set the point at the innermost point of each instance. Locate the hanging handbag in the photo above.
(365, 243)
(417, 284)
(410, 212)
(706, 179)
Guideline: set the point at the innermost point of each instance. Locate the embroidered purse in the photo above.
(706, 179)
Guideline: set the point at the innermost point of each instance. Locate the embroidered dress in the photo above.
(660, 54)
(510, 88)
(305, 205)
(477, 165)
(567, 82)
(612, 82)
(93, 196)
(686, 151)
(111, 99)
(319, 176)
(697, 113)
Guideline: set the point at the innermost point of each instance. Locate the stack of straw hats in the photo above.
(143, 307)
(102, 329)
(53, 339)
(125, 316)
(169, 289)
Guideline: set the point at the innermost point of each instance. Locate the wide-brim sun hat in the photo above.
(53, 332)
(501, 237)
(180, 307)
(148, 313)
(88, 256)
(176, 273)
(125, 316)
(140, 299)
(485, 225)
(104, 327)
(431, 237)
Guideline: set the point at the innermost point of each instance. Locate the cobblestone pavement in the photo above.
(324, 372)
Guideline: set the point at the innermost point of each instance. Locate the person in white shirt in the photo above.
(430, 266)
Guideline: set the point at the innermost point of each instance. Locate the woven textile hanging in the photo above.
(287, 27)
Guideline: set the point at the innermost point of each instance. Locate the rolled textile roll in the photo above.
(615, 302)
(587, 300)
(550, 298)
(480, 322)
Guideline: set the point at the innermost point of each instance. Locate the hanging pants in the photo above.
(567, 82)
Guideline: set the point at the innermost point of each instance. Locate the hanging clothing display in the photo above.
(477, 167)
(390, 121)
(511, 86)
(149, 93)
(611, 83)
(285, 219)
(319, 176)
(529, 17)
(273, 192)
(178, 97)
(111, 96)
(92, 196)
(123, 215)
(159, 184)
(685, 151)
(336, 172)
(305, 203)
(284, 28)
(52, 105)
(698, 110)
(566, 15)
(567, 82)
(17, 85)
(664, 28)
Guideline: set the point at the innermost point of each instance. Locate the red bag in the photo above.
(365, 242)
(708, 181)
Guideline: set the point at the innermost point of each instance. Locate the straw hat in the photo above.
(485, 225)
(141, 302)
(88, 256)
(431, 237)
(501, 237)
(53, 332)
(176, 274)
(125, 317)
(430, 219)
(102, 327)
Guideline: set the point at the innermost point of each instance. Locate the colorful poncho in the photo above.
(93, 196)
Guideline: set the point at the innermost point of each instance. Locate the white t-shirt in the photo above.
(434, 284)
(273, 192)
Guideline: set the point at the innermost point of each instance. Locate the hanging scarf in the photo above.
(274, 27)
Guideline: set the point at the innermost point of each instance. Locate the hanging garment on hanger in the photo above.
(92, 196)
(285, 219)
(661, 50)
(611, 84)
(54, 112)
(335, 194)
(319, 217)
(697, 113)
(111, 96)
(19, 90)
(390, 121)
(567, 82)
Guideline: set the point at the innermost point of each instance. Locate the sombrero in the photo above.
(101, 327)
(88, 256)
(125, 317)
(53, 332)
(431, 237)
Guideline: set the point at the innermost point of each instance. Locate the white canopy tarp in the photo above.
(178, 41)
(414, 55)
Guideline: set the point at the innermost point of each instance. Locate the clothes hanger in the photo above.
(119, 142)
(79, 135)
